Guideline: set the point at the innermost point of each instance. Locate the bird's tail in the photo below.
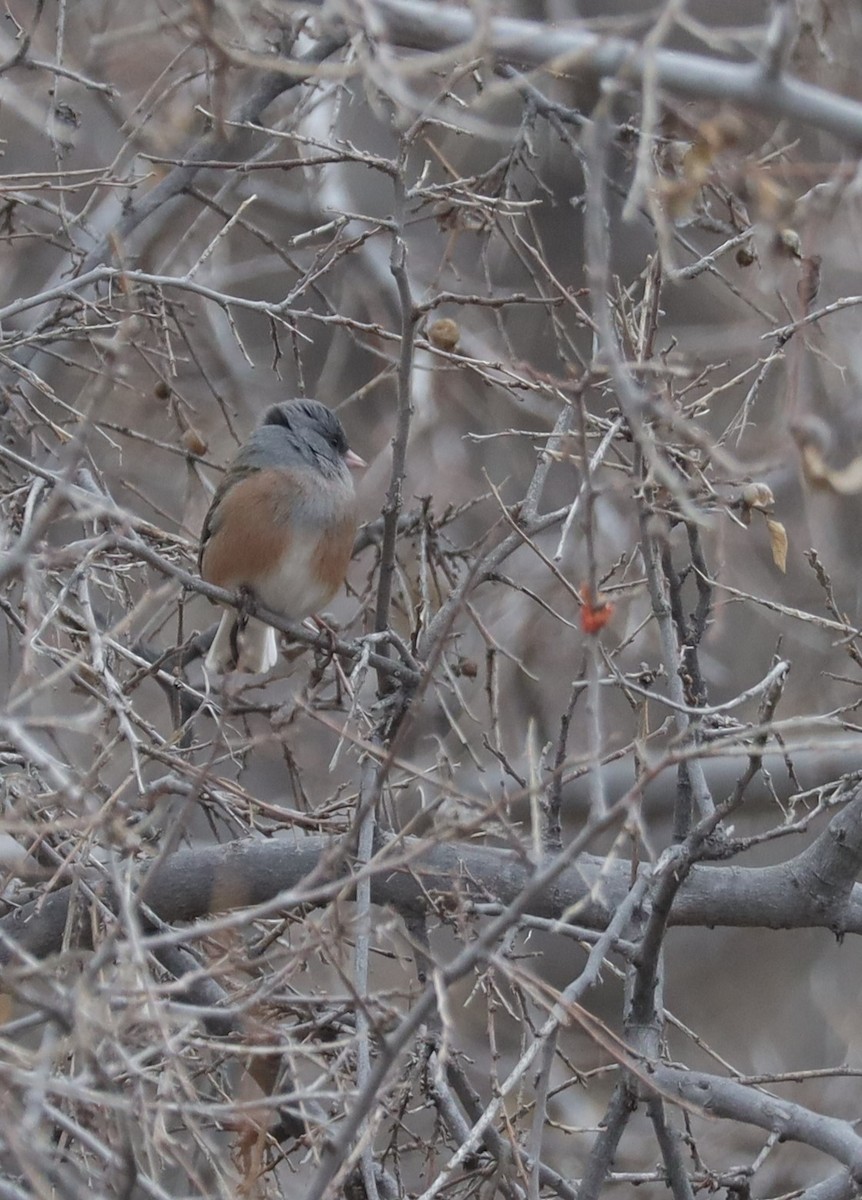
(256, 643)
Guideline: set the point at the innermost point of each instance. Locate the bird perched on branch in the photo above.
(280, 528)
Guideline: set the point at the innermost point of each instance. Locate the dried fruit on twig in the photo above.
(745, 256)
(595, 611)
(193, 441)
(466, 667)
(444, 334)
(758, 497)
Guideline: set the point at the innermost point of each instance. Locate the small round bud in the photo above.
(444, 334)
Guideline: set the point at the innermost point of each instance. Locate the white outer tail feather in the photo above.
(257, 645)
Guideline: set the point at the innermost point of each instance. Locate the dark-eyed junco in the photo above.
(282, 525)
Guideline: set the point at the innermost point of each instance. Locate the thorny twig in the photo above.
(395, 847)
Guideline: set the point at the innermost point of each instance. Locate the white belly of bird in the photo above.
(292, 590)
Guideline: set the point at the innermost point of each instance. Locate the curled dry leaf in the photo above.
(773, 202)
(723, 131)
(678, 197)
(789, 243)
(778, 542)
(846, 481)
(720, 133)
(809, 282)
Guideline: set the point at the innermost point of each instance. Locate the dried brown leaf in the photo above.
(778, 543)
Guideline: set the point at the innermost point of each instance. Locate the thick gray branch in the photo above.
(734, 1101)
(579, 51)
(196, 883)
(828, 869)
